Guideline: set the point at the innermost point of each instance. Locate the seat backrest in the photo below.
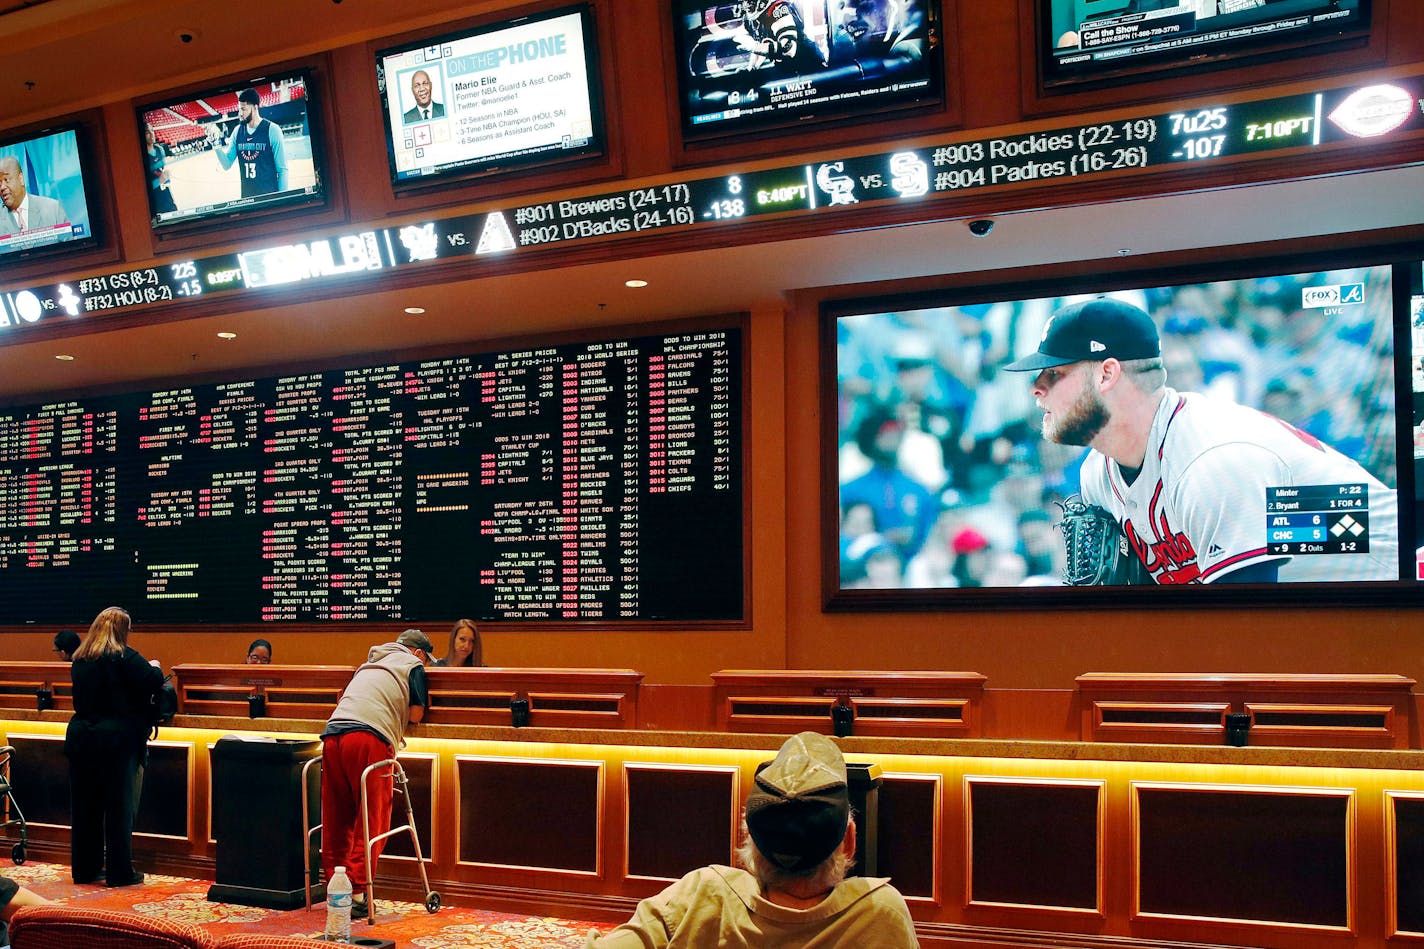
(60, 926)
(258, 941)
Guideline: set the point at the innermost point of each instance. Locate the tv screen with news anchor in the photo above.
(233, 150)
(758, 63)
(44, 199)
(1097, 40)
(1054, 440)
(516, 93)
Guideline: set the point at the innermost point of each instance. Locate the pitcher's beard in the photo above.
(1080, 424)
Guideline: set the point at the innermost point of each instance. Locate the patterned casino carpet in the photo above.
(408, 924)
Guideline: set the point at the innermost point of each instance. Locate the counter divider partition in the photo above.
(993, 839)
(568, 698)
(1330, 711)
(19, 681)
(926, 704)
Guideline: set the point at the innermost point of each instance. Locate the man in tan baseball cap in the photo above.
(791, 891)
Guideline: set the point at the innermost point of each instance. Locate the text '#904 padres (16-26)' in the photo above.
(1381, 112)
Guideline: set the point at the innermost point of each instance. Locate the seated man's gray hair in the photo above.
(798, 811)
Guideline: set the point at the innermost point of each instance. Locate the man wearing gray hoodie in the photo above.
(386, 694)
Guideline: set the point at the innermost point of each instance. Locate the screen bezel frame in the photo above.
(1038, 283)
(78, 251)
(936, 111)
(1361, 45)
(597, 152)
(231, 219)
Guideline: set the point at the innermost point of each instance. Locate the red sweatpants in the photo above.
(344, 757)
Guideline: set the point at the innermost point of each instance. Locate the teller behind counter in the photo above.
(464, 649)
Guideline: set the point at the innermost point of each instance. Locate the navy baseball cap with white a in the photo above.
(1100, 328)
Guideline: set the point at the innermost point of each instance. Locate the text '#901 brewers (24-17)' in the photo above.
(1356, 115)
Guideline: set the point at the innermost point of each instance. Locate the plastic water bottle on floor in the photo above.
(338, 907)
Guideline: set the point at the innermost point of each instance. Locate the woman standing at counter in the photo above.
(107, 746)
(464, 648)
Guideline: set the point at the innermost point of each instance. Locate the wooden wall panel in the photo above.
(1035, 843)
(696, 808)
(1245, 853)
(167, 789)
(420, 773)
(1407, 867)
(39, 773)
(530, 814)
(909, 833)
(1297, 849)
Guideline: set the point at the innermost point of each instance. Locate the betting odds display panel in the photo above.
(592, 481)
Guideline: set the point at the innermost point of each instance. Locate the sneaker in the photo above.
(358, 909)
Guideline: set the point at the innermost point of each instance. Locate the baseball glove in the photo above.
(1098, 552)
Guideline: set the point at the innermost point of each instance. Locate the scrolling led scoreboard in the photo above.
(1377, 112)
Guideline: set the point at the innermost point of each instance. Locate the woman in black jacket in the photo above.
(107, 746)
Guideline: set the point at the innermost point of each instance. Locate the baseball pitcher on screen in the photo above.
(1187, 477)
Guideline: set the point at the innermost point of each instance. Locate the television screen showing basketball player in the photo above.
(232, 150)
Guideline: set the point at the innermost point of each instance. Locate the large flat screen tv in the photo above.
(1092, 40)
(44, 199)
(515, 93)
(762, 63)
(232, 151)
(1238, 433)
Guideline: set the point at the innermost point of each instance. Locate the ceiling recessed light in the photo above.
(227, 336)
(1124, 251)
(415, 310)
(64, 357)
(635, 284)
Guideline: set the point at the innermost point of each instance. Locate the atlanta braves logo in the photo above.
(1170, 556)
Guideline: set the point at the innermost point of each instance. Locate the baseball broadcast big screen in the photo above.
(1237, 431)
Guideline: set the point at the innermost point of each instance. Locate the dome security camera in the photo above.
(981, 227)
(187, 36)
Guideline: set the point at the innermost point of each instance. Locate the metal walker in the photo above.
(399, 786)
(9, 806)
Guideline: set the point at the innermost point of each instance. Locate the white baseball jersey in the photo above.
(1197, 509)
